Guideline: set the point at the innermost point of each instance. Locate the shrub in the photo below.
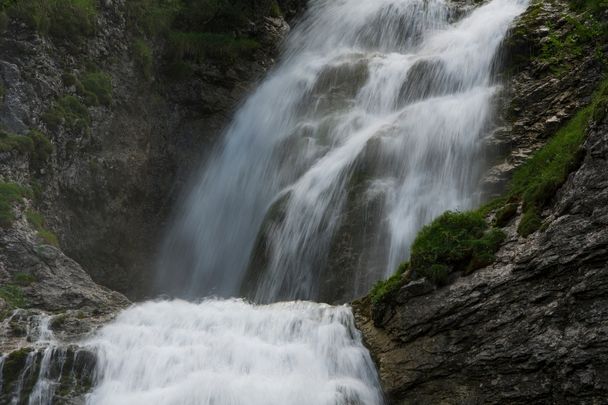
(68, 111)
(505, 214)
(20, 143)
(97, 88)
(455, 241)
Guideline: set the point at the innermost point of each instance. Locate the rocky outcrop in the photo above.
(110, 184)
(531, 328)
(544, 85)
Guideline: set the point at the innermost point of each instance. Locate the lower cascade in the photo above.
(231, 352)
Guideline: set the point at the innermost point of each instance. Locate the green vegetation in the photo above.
(13, 295)
(20, 143)
(456, 241)
(69, 112)
(24, 279)
(69, 20)
(41, 152)
(194, 30)
(537, 181)
(10, 194)
(35, 144)
(96, 88)
(2, 92)
(13, 367)
(582, 30)
(382, 289)
(38, 222)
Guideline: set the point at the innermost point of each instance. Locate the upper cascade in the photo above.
(370, 127)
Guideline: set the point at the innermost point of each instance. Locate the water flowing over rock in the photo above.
(378, 109)
(231, 352)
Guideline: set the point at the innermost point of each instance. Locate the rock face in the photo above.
(109, 187)
(533, 327)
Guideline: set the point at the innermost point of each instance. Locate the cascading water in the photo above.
(376, 113)
(233, 353)
(369, 128)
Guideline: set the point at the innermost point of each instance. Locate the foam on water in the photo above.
(233, 353)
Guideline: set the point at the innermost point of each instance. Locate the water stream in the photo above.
(371, 125)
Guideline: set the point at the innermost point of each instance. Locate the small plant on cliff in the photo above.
(10, 194)
(20, 143)
(384, 288)
(456, 241)
(13, 295)
(69, 112)
(96, 88)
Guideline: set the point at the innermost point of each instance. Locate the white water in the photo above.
(393, 96)
(233, 353)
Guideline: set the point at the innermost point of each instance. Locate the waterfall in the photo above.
(370, 127)
(233, 353)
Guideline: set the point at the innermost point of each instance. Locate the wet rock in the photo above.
(533, 328)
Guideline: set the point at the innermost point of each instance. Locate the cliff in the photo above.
(531, 327)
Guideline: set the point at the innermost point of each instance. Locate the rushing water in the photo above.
(370, 127)
(233, 353)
